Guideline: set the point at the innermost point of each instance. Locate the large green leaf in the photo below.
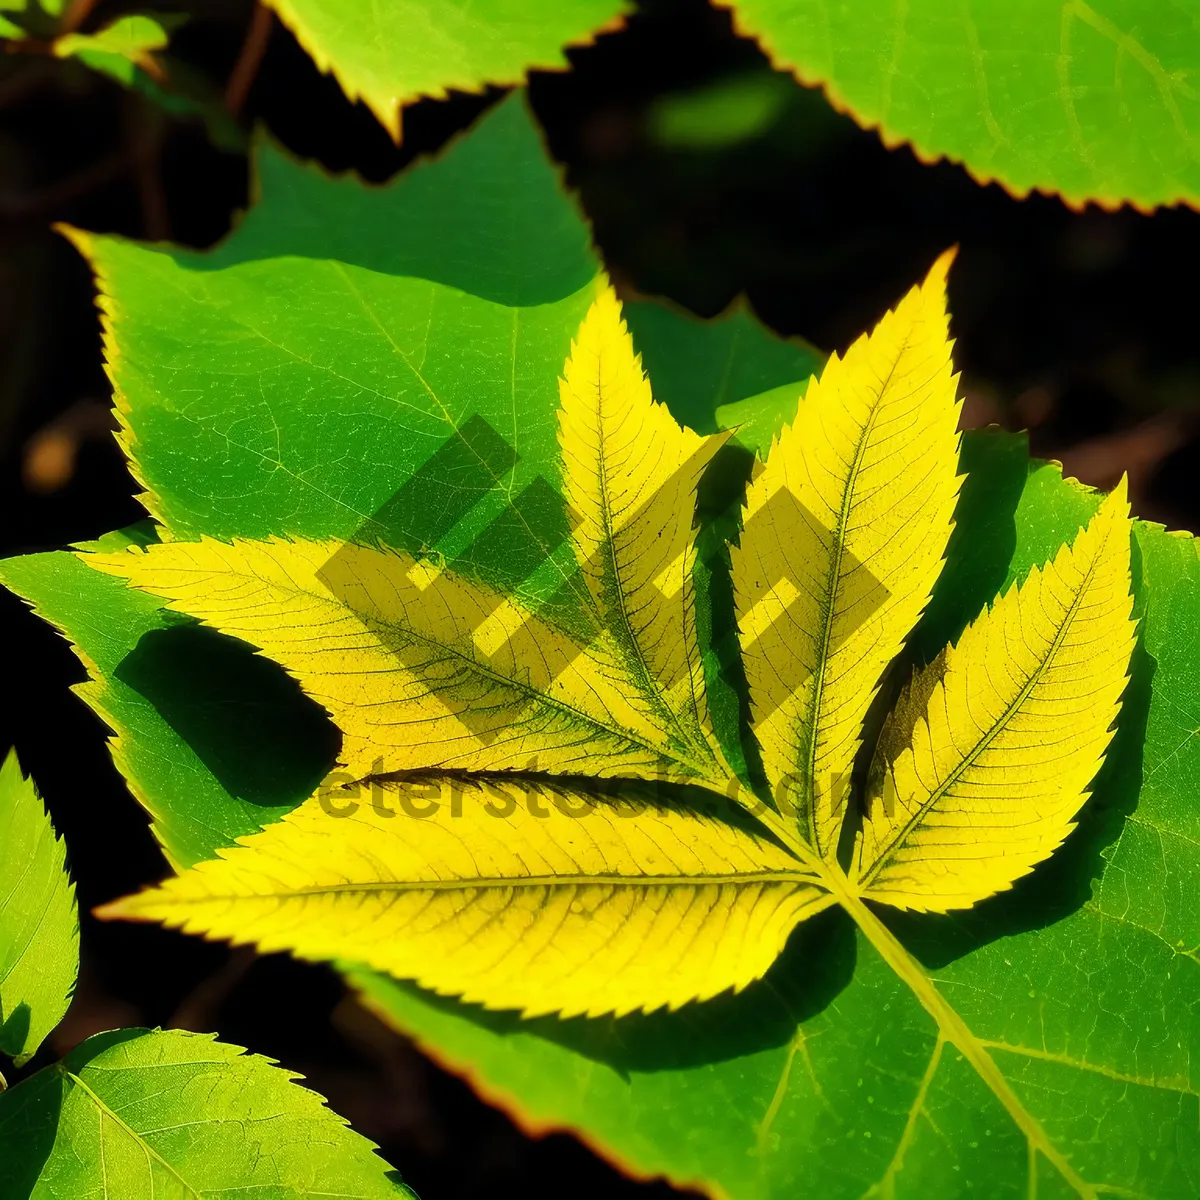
(39, 926)
(828, 1077)
(137, 1114)
(1094, 99)
(315, 433)
(391, 52)
(377, 321)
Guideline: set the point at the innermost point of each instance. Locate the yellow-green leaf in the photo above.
(419, 666)
(995, 743)
(630, 473)
(844, 532)
(511, 893)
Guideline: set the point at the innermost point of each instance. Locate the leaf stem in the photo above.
(952, 1026)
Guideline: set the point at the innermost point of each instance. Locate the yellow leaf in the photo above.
(629, 474)
(845, 528)
(515, 894)
(419, 668)
(1002, 735)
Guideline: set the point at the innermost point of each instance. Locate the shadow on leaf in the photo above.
(14, 1029)
(29, 1115)
(246, 719)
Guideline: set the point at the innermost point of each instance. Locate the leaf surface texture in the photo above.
(1018, 717)
(1090, 98)
(39, 925)
(509, 893)
(844, 532)
(141, 1115)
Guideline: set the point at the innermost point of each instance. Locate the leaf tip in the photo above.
(939, 273)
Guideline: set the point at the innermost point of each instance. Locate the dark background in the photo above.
(1075, 324)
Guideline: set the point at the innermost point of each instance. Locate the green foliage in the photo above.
(139, 1113)
(132, 51)
(1094, 101)
(142, 1113)
(453, 292)
(120, 49)
(39, 926)
(828, 1076)
(391, 52)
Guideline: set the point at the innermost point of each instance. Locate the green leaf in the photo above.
(391, 52)
(1093, 100)
(39, 925)
(704, 371)
(827, 1076)
(774, 1090)
(129, 50)
(213, 740)
(119, 49)
(139, 1114)
(386, 286)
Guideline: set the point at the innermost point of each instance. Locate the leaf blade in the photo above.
(511, 897)
(166, 1113)
(391, 53)
(420, 667)
(1010, 728)
(1087, 100)
(630, 473)
(39, 923)
(859, 490)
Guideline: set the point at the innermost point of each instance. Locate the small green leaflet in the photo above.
(389, 53)
(39, 925)
(138, 1114)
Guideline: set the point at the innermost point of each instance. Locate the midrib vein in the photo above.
(580, 879)
(835, 571)
(473, 664)
(647, 680)
(151, 1154)
(950, 1023)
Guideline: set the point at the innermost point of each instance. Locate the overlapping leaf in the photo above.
(391, 53)
(1094, 100)
(141, 1114)
(511, 893)
(958, 1082)
(424, 670)
(1000, 736)
(845, 529)
(39, 926)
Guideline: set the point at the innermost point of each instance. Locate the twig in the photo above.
(77, 12)
(51, 199)
(249, 60)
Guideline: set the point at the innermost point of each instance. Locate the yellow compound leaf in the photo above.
(515, 894)
(1008, 728)
(845, 528)
(418, 667)
(630, 473)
